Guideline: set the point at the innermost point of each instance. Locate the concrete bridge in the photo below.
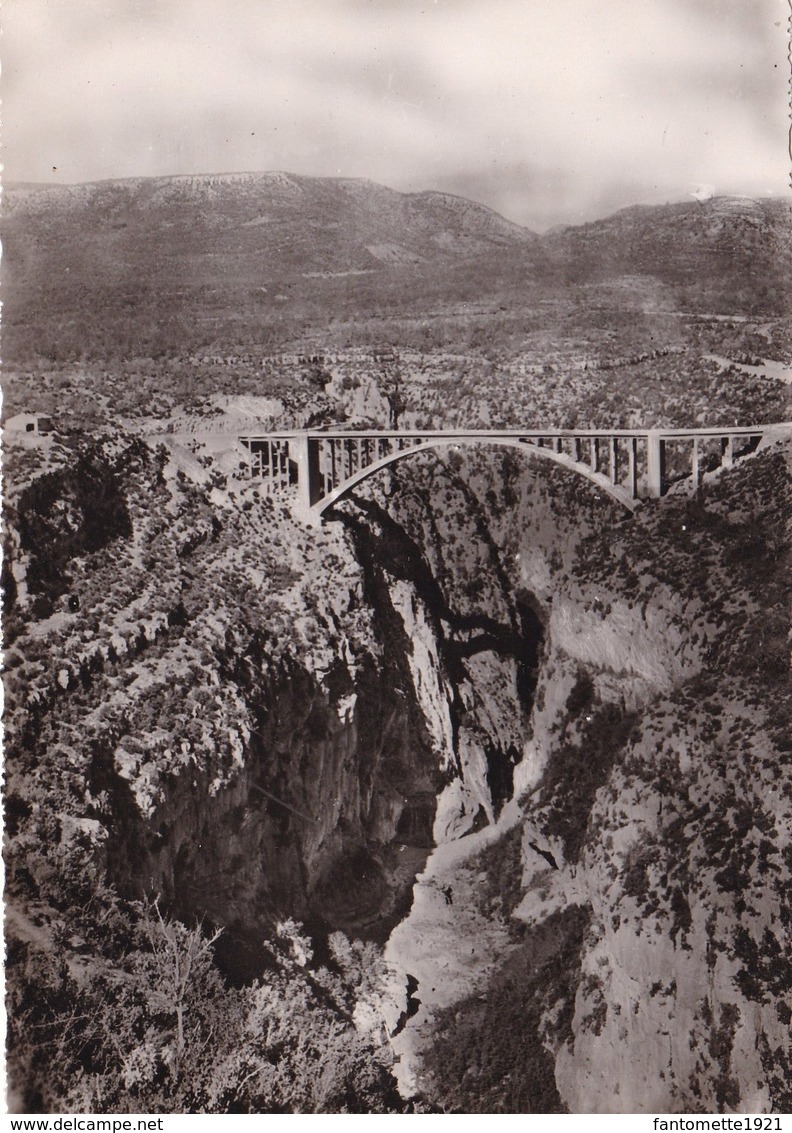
(628, 464)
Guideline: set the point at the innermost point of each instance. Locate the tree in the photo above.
(183, 960)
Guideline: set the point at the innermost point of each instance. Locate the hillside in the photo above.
(744, 246)
(147, 267)
(260, 229)
(202, 249)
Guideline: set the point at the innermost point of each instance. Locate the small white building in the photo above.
(20, 424)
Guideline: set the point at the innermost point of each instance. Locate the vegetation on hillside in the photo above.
(115, 1008)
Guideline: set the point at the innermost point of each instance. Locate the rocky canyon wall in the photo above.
(260, 720)
(654, 800)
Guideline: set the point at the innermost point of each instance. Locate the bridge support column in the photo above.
(655, 464)
(305, 453)
(727, 452)
(281, 471)
(632, 467)
(255, 465)
(695, 475)
(613, 454)
(334, 477)
(595, 454)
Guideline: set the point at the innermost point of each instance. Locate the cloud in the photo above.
(536, 107)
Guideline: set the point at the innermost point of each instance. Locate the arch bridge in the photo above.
(628, 464)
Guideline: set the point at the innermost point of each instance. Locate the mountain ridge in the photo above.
(288, 253)
(14, 188)
(312, 188)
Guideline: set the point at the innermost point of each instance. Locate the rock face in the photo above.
(654, 799)
(324, 705)
(587, 715)
(321, 789)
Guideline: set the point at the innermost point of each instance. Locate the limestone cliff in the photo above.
(585, 712)
(267, 713)
(654, 799)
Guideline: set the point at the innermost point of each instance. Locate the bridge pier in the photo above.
(695, 472)
(305, 453)
(727, 452)
(632, 467)
(613, 455)
(655, 464)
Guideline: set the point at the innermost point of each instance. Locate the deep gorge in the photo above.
(334, 810)
(481, 677)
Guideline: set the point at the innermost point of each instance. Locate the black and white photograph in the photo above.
(396, 564)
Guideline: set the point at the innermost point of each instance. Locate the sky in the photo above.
(549, 111)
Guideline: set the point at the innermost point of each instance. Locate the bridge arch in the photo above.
(628, 465)
(615, 491)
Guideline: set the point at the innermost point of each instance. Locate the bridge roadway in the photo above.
(628, 464)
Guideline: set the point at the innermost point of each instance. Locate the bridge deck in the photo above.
(630, 464)
(484, 434)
